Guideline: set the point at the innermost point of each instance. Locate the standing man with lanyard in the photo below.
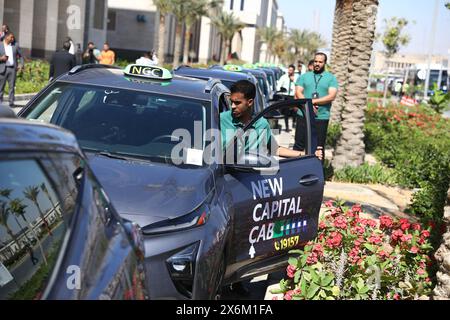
(321, 86)
(286, 86)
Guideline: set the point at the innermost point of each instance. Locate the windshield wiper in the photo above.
(106, 154)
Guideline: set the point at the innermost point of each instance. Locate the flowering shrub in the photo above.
(415, 143)
(356, 258)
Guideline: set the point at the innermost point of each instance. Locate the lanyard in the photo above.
(317, 81)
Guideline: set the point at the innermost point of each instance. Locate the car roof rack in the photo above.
(83, 67)
(210, 84)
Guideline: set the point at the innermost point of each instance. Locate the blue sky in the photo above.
(300, 14)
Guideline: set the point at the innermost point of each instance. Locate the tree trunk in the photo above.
(41, 214)
(224, 51)
(187, 42)
(178, 44)
(161, 38)
(342, 37)
(350, 150)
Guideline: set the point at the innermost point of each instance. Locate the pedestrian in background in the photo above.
(62, 61)
(4, 32)
(72, 45)
(92, 54)
(321, 86)
(147, 59)
(311, 66)
(286, 86)
(301, 69)
(107, 56)
(11, 61)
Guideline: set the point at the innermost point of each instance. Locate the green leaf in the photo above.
(276, 291)
(312, 290)
(303, 285)
(293, 262)
(322, 294)
(307, 276)
(315, 276)
(336, 291)
(303, 261)
(325, 281)
(363, 290)
(284, 285)
(296, 252)
(297, 276)
(370, 247)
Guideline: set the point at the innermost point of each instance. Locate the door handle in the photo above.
(309, 180)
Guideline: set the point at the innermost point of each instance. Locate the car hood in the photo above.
(147, 193)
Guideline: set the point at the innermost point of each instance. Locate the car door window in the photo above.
(46, 106)
(32, 226)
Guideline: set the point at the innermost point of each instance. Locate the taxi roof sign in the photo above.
(148, 72)
(232, 67)
(249, 66)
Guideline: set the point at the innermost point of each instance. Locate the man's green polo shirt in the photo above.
(260, 135)
(320, 83)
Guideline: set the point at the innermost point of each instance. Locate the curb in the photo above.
(24, 96)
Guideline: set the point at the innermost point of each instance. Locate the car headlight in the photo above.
(181, 268)
(194, 219)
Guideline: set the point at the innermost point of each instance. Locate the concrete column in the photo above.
(77, 34)
(2, 8)
(52, 26)
(26, 25)
(204, 51)
(248, 45)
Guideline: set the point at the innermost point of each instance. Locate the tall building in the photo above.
(255, 14)
(41, 26)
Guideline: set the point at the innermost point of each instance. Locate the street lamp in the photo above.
(431, 48)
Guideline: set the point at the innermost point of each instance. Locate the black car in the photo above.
(61, 238)
(227, 77)
(206, 222)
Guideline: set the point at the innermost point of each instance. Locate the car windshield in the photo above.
(126, 123)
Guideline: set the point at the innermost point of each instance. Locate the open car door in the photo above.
(276, 203)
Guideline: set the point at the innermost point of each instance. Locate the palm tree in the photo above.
(305, 43)
(350, 149)
(32, 193)
(18, 209)
(227, 26)
(280, 47)
(269, 36)
(196, 9)
(45, 190)
(342, 37)
(164, 8)
(4, 216)
(179, 8)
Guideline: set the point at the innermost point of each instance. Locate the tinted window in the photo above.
(125, 122)
(33, 222)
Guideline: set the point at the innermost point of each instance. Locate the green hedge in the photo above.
(415, 143)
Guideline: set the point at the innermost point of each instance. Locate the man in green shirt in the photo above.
(243, 95)
(321, 86)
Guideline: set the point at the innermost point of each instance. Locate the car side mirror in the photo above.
(254, 162)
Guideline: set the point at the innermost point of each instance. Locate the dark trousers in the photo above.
(300, 134)
(10, 76)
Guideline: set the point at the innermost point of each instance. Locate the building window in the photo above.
(242, 5)
(231, 4)
(99, 14)
(112, 20)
